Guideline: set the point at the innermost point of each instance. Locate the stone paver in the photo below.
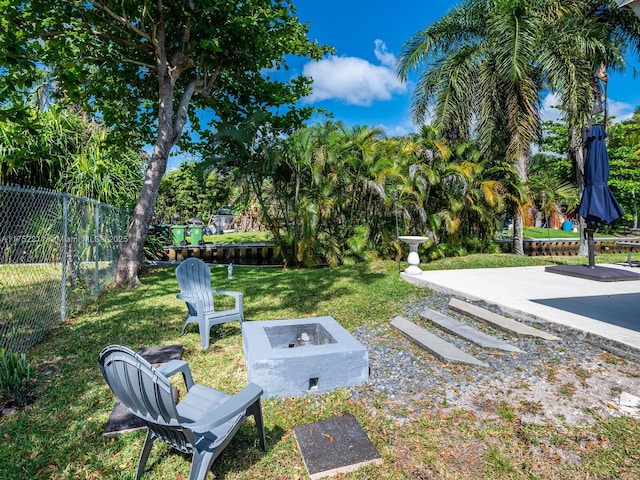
(467, 332)
(499, 321)
(440, 348)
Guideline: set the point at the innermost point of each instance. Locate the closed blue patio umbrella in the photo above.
(598, 205)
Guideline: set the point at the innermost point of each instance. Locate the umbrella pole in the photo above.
(591, 245)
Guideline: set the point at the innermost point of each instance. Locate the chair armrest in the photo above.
(187, 298)
(232, 406)
(238, 296)
(230, 293)
(177, 366)
(194, 304)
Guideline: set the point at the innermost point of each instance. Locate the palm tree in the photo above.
(491, 44)
(421, 158)
(102, 172)
(35, 149)
(511, 50)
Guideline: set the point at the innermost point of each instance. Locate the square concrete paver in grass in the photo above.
(333, 446)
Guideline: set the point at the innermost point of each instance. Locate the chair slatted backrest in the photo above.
(194, 279)
(147, 393)
(139, 386)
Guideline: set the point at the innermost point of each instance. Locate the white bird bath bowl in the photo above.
(414, 258)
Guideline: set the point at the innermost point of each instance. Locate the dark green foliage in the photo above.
(159, 236)
(332, 192)
(192, 190)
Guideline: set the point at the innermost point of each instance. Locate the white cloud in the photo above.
(548, 110)
(620, 110)
(386, 58)
(400, 129)
(353, 80)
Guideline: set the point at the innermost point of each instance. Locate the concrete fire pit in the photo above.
(291, 357)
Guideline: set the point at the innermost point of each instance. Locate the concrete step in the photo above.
(467, 332)
(498, 321)
(438, 347)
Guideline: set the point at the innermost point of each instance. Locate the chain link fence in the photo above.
(57, 253)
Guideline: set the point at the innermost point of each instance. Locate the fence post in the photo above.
(63, 282)
(96, 250)
(123, 229)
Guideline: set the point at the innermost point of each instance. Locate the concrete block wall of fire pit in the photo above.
(290, 357)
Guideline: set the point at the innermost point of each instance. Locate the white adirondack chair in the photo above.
(194, 279)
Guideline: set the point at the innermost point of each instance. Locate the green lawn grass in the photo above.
(542, 233)
(539, 232)
(250, 237)
(58, 436)
(239, 237)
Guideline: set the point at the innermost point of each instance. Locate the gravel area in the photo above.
(567, 381)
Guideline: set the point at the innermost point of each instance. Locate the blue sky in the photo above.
(359, 85)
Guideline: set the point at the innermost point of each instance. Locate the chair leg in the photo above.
(144, 454)
(204, 333)
(184, 327)
(255, 409)
(200, 464)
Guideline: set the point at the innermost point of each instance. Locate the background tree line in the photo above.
(136, 72)
(333, 192)
(326, 193)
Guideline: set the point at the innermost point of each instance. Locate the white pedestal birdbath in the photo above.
(414, 259)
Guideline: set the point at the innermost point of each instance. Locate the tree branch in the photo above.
(122, 60)
(158, 38)
(121, 41)
(120, 18)
(186, 33)
(209, 83)
(183, 108)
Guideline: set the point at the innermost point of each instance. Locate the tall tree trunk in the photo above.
(518, 220)
(169, 130)
(131, 257)
(518, 233)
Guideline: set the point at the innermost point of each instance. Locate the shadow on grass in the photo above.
(241, 454)
(60, 434)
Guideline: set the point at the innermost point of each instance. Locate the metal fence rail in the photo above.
(57, 253)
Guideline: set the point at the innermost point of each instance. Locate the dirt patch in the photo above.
(573, 394)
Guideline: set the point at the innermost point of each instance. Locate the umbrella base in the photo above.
(597, 273)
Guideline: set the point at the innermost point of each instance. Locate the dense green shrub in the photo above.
(158, 237)
(15, 376)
